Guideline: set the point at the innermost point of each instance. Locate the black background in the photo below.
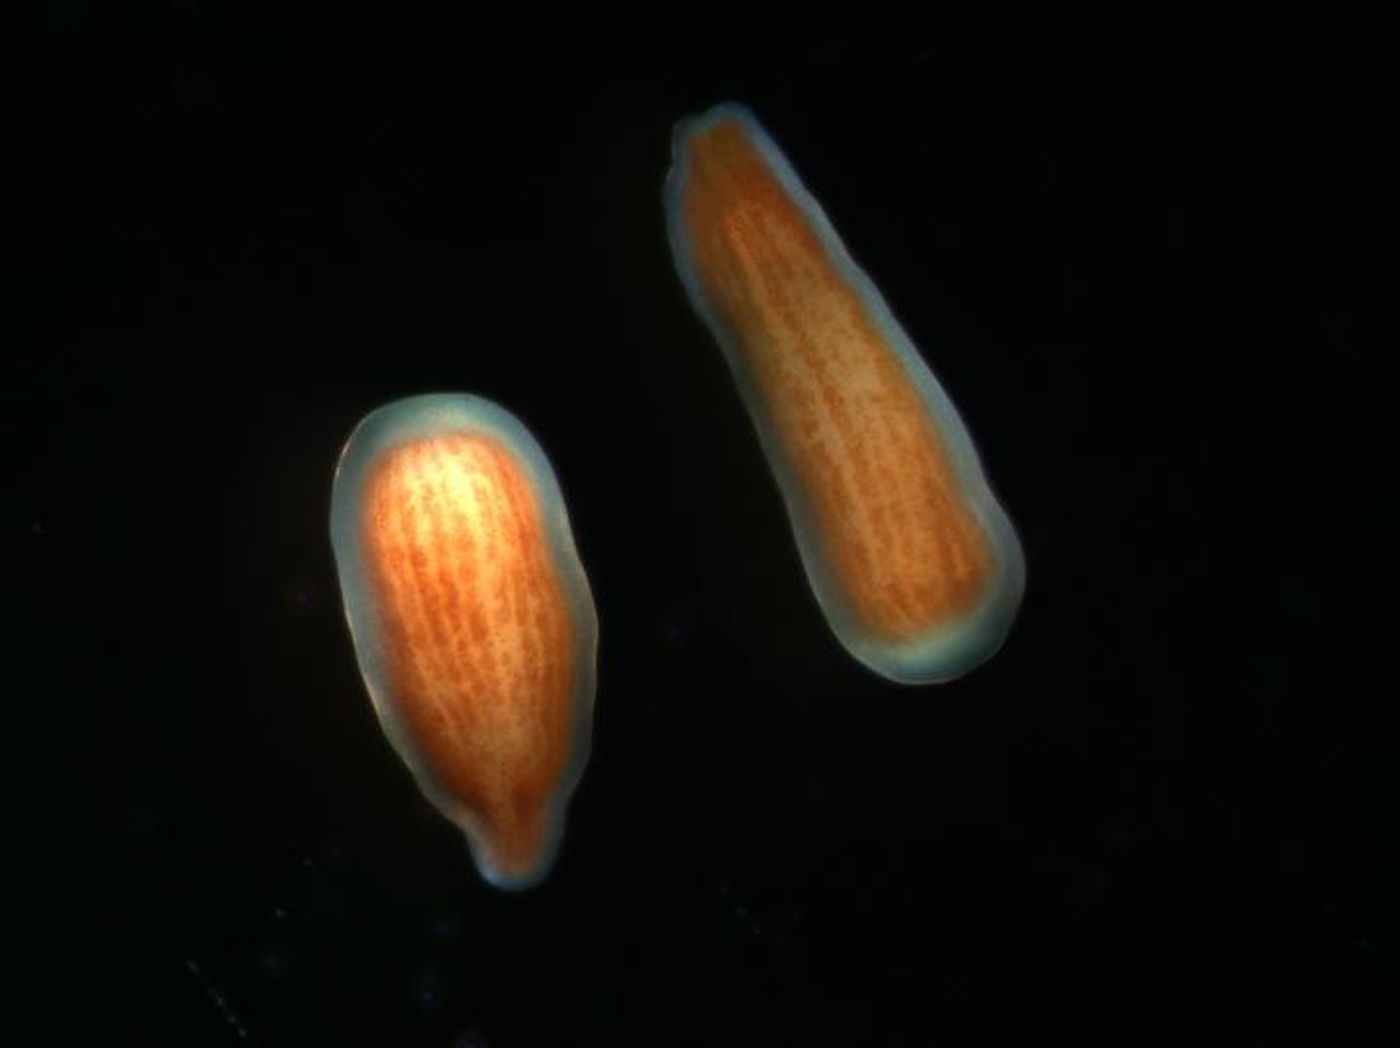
(1164, 812)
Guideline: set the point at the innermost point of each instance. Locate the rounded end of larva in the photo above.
(939, 658)
(954, 649)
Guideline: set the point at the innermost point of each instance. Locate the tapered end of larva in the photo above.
(516, 854)
(687, 128)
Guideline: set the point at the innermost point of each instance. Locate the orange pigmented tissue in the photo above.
(910, 555)
(472, 619)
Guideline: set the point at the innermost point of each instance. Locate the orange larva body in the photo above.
(472, 619)
(911, 556)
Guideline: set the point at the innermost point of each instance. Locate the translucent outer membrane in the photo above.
(912, 559)
(472, 619)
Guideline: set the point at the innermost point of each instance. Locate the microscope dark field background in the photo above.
(1163, 813)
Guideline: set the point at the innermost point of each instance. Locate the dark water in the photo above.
(1164, 813)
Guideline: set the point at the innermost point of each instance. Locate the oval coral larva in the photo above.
(911, 557)
(472, 619)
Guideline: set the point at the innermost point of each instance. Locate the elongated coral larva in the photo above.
(911, 557)
(472, 619)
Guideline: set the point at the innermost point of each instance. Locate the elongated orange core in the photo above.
(884, 502)
(477, 630)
